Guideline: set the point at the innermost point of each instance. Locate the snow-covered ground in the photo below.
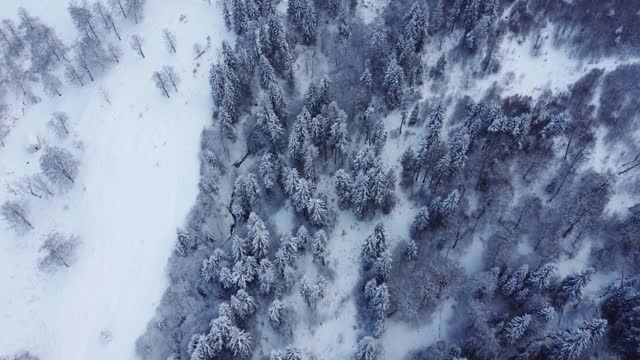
(137, 179)
(521, 69)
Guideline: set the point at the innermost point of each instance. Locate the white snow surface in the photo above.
(137, 180)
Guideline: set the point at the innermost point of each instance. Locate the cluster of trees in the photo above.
(59, 171)
(512, 173)
(33, 54)
(524, 325)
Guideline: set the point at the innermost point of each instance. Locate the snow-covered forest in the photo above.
(319, 179)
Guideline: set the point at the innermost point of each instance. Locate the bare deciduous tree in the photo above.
(60, 124)
(115, 53)
(170, 40)
(72, 75)
(90, 57)
(160, 82)
(59, 251)
(34, 185)
(135, 9)
(107, 19)
(51, 84)
(170, 74)
(118, 6)
(136, 44)
(15, 214)
(82, 18)
(59, 166)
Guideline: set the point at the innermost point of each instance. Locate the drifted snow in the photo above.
(137, 180)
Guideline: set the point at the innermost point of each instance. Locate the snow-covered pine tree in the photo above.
(393, 84)
(516, 327)
(239, 247)
(299, 136)
(266, 72)
(302, 238)
(458, 147)
(312, 293)
(319, 246)
(244, 271)
(246, 193)
(302, 15)
(289, 244)
(268, 121)
(440, 209)
(515, 281)
(267, 277)
(365, 90)
(243, 304)
(318, 95)
(595, 327)
(438, 70)
(367, 349)
(240, 343)
(541, 278)
(432, 134)
(378, 47)
(409, 163)
(343, 186)
(572, 287)
(310, 155)
(268, 172)
(415, 25)
(318, 211)
(570, 344)
(360, 193)
(420, 221)
(374, 245)
(382, 265)
(276, 312)
(212, 265)
(436, 17)
(302, 195)
(411, 250)
(378, 299)
(258, 236)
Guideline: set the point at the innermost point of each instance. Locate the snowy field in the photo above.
(137, 179)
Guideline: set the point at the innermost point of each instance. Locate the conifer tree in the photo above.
(267, 171)
(420, 222)
(343, 185)
(367, 349)
(374, 245)
(541, 278)
(258, 235)
(318, 211)
(267, 276)
(276, 312)
(516, 327)
(240, 343)
(243, 304)
(319, 246)
(382, 265)
(515, 281)
(393, 84)
(572, 287)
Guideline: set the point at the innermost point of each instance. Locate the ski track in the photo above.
(137, 180)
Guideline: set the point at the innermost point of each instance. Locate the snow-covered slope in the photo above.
(137, 180)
